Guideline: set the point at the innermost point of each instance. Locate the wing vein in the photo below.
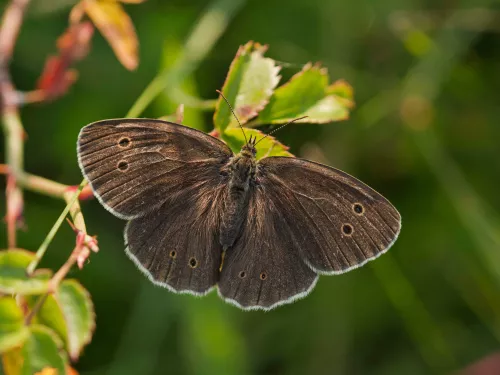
(320, 232)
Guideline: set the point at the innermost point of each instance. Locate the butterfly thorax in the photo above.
(241, 172)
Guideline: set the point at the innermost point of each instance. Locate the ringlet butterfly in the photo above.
(200, 216)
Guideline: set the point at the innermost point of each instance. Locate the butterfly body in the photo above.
(241, 178)
(188, 199)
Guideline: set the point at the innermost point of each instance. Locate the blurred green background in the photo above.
(424, 133)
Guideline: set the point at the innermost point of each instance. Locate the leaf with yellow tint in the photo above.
(48, 371)
(52, 371)
(117, 27)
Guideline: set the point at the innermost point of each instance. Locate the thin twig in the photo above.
(84, 245)
(47, 187)
(72, 201)
(207, 31)
(38, 305)
(179, 96)
(11, 24)
(14, 133)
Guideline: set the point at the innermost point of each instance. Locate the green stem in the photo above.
(180, 97)
(207, 31)
(418, 321)
(14, 157)
(38, 305)
(50, 236)
(10, 25)
(42, 185)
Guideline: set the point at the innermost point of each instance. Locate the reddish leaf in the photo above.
(57, 76)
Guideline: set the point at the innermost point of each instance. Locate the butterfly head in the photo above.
(249, 148)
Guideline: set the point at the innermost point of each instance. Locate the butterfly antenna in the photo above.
(282, 126)
(234, 114)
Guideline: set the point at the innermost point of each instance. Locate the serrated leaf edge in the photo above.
(58, 341)
(241, 50)
(348, 101)
(259, 50)
(307, 67)
(88, 336)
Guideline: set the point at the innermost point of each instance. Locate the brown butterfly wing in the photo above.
(136, 165)
(296, 227)
(264, 268)
(177, 246)
(340, 222)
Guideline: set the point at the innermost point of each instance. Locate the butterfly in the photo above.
(200, 216)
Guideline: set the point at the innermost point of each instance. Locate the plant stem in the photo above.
(206, 32)
(45, 186)
(181, 97)
(419, 322)
(38, 305)
(9, 30)
(14, 157)
(76, 215)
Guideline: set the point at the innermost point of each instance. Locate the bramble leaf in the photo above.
(42, 349)
(308, 94)
(117, 27)
(14, 278)
(249, 85)
(48, 371)
(268, 147)
(50, 315)
(70, 313)
(13, 332)
(342, 89)
(78, 312)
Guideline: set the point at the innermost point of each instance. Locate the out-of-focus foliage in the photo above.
(30, 343)
(423, 133)
(12, 329)
(13, 276)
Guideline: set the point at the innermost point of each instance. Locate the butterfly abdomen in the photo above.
(241, 172)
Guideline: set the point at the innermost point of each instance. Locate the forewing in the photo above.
(264, 269)
(177, 246)
(340, 222)
(135, 165)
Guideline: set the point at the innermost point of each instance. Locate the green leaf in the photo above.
(42, 349)
(70, 313)
(14, 278)
(308, 94)
(268, 147)
(78, 311)
(342, 89)
(249, 85)
(13, 332)
(13, 363)
(16, 257)
(50, 315)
